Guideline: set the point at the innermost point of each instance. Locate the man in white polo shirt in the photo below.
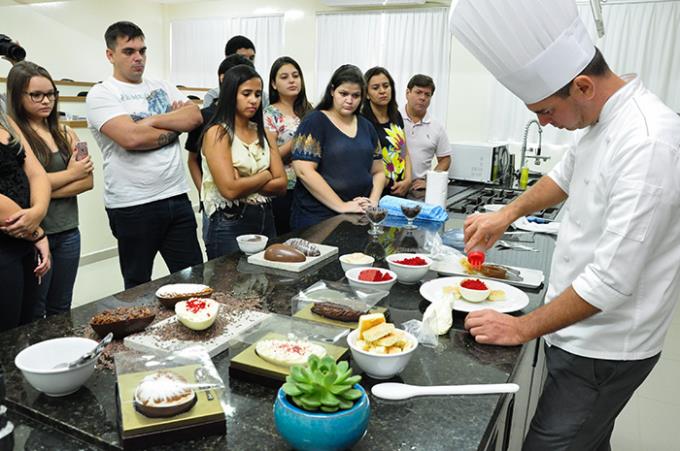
(136, 122)
(425, 136)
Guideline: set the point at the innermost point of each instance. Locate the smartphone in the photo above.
(81, 150)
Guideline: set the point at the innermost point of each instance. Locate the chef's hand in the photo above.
(22, 223)
(484, 229)
(353, 206)
(418, 184)
(44, 257)
(400, 188)
(494, 328)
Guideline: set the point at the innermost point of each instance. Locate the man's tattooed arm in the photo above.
(166, 138)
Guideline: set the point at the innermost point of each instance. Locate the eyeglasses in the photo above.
(37, 96)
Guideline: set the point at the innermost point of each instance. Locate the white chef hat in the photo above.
(533, 47)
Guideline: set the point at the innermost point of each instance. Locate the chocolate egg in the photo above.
(283, 253)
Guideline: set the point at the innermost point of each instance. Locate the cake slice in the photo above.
(370, 320)
(379, 331)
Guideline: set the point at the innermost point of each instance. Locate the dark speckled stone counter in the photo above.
(87, 419)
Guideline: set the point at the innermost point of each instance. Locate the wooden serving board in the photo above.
(326, 252)
(306, 313)
(149, 342)
(248, 361)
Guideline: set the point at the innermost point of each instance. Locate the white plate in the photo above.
(450, 266)
(515, 299)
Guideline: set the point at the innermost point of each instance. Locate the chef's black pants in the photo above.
(581, 399)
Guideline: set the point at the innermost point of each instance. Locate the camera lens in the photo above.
(10, 49)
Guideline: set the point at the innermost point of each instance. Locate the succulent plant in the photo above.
(322, 385)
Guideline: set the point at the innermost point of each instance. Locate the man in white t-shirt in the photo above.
(136, 122)
(425, 136)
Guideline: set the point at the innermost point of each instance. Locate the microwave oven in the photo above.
(479, 162)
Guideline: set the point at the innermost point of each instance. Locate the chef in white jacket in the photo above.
(615, 275)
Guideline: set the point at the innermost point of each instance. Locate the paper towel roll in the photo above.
(437, 188)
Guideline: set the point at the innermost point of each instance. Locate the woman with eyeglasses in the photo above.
(241, 168)
(288, 105)
(380, 107)
(33, 104)
(24, 248)
(336, 154)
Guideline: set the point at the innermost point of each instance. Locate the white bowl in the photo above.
(408, 274)
(380, 366)
(37, 364)
(353, 278)
(252, 244)
(473, 295)
(346, 265)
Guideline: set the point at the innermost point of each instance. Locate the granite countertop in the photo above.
(87, 419)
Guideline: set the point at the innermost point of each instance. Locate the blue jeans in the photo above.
(167, 226)
(56, 290)
(225, 225)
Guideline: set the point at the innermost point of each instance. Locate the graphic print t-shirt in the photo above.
(135, 177)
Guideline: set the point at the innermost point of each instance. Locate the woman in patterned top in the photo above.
(288, 105)
(380, 107)
(24, 250)
(240, 167)
(336, 155)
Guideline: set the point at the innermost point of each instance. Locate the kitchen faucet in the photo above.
(538, 157)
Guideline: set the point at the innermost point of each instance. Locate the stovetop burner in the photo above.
(489, 195)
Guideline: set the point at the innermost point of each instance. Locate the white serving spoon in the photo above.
(396, 391)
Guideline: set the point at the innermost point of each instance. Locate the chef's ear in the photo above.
(583, 86)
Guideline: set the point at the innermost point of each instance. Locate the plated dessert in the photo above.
(474, 290)
(164, 394)
(286, 353)
(197, 313)
(169, 295)
(122, 321)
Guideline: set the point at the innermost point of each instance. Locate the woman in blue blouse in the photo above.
(336, 154)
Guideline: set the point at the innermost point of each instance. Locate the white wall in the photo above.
(67, 39)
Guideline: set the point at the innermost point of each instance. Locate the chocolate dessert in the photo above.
(336, 311)
(283, 253)
(410, 211)
(304, 246)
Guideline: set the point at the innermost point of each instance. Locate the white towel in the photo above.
(524, 224)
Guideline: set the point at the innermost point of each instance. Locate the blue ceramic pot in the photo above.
(318, 431)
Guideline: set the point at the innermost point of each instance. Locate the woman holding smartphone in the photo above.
(241, 168)
(288, 105)
(24, 249)
(33, 104)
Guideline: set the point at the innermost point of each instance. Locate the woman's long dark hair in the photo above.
(17, 83)
(301, 106)
(347, 73)
(392, 107)
(226, 105)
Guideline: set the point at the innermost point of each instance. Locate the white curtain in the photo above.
(405, 42)
(198, 46)
(641, 37)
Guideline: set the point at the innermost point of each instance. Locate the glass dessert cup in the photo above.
(376, 216)
(410, 211)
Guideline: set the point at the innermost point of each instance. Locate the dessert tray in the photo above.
(280, 328)
(153, 339)
(450, 266)
(326, 253)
